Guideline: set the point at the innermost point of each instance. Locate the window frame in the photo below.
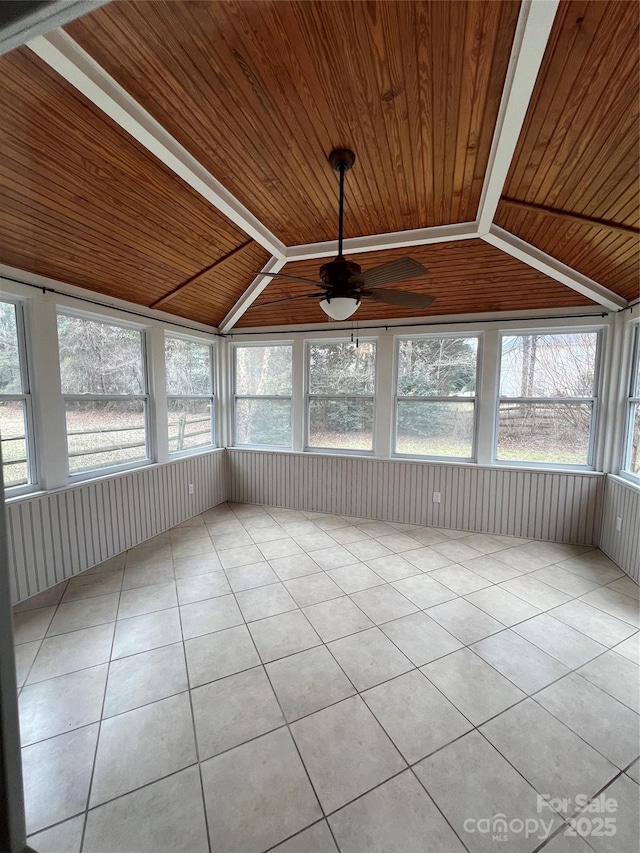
(202, 448)
(632, 401)
(26, 397)
(594, 400)
(475, 399)
(146, 398)
(235, 346)
(308, 397)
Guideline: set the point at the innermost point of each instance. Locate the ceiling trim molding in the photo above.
(550, 266)
(529, 44)
(379, 242)
(260, 283)
(73, 63)
(352, 246)
(28, 20)
(405, 325)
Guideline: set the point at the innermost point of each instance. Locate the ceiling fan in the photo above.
(343, 283)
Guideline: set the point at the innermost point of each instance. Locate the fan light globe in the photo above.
(340, 307)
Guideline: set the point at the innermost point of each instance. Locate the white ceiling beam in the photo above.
(25, 21)
(260, 283)
(73, 63)
(391, 240)
(530, 40)
(548, 265)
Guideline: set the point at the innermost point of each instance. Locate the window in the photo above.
(436, 397)
(189, 366)
(341, 386)
(104, 383)
(631, 461)
(547, 397)
(262, 384)
(15, 401)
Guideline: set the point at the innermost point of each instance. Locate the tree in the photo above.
(434, 367)
(341, 370)
(10, 381)
(96, 358)
(554, 366)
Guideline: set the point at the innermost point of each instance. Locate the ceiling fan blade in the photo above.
(286, 299)
(392, 273)
(293, 278)
(405, 298)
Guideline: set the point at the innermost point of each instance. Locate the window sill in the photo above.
(39, 493)
(623, 480)
(585, 472)
(194, 451)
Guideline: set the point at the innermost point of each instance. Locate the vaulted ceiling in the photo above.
(164, 153)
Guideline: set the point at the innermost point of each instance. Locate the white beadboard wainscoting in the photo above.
(56, 535)
(622, 500)
(564, 507)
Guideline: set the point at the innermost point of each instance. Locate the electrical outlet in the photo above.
(618, 524)
(436, 497)
(190, 488)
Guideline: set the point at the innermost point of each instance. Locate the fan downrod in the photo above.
(341, 159)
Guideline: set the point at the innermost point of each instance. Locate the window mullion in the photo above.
(157, 385)
(298, 413)
(383, 407)
(568, 401)
(48, 403)
(632, 404)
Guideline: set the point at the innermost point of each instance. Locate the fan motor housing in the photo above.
(339, 275)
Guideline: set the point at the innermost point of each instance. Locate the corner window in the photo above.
(16, 430)
(104, 384)
(631, 459)
(262, 395)
(547, 398)
(189, 367)
(341, 380)
(436, 397)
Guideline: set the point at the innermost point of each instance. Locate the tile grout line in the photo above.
(195, 734)
(373, 625)
(474, 728)
(414, 667)
(345, 595)
(323, 643)
(284, 717)
(97, 746)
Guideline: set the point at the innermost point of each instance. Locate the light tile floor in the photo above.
(266, 679)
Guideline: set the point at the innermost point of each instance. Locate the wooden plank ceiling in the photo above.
(578, 153)
(260, 92)
(466, 277)
(84, 203)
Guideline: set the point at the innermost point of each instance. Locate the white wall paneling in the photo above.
(559, 506)
(56, 535)
(622, 500)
